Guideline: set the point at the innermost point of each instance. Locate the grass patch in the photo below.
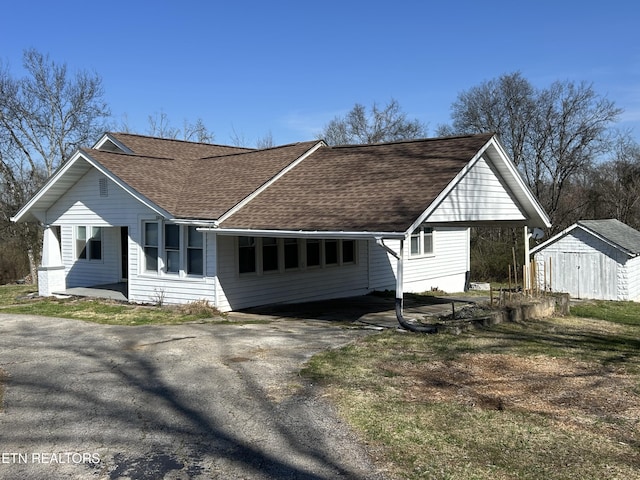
(13, 299)
(627, 313)
(554, 399)
(11, 294)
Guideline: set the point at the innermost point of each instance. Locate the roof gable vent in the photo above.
(103, 187)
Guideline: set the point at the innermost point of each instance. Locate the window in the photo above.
(291, 253)
(331, 252)
(269, 254)
(422, 241)
(88, 243)
(180, 247)
(172, 248)
(313, 253)
(195, 252)
(150, 246)
(247, 254)
(348, 251)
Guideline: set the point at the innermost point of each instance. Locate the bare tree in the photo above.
(266, 141)
(160, 126)
(44, 117)
(505, 105)
(49, 113)
(552, 134)
(614, 185)
(385, 124)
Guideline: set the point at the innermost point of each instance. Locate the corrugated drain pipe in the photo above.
(399, 291)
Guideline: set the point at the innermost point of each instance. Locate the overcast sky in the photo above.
(248, 68)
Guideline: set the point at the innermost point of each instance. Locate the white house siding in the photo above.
(242, 291)
(171, 289)
(583, 266)
(82, 273)
(445, 270)
(83, 205)
(479, 196)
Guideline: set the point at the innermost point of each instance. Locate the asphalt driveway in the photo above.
(83, 400)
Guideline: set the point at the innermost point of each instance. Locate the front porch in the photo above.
(113, 291)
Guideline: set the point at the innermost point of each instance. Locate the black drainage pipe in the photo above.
(409, 326)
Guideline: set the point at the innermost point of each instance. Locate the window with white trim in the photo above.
(88, 243)
(270, 257)
(422, 241)
(268, 254)
(291, 253)
(150, 246)
(247, 254)
(174, 249)
(195, 251)
(348, 252)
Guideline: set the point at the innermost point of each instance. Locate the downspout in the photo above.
(400, 293)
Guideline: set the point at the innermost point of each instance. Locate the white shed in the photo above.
(596, 259)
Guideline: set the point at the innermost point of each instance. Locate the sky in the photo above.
(250, 69)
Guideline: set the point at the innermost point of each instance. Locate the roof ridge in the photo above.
(151, 137)
(126, 154)
(259, 150)
(415, 140)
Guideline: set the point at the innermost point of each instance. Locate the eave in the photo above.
(64, 178)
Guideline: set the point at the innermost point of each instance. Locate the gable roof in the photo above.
(306, 186)
(611, 230)
(381, 187)
(200, 188)
(163, 147)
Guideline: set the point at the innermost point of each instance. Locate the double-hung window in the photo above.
(246, 254)
(88, 243)
(422, 241)
(270, 257)
(180, 249)
(195, 251)
(172, 248)
(150, 245)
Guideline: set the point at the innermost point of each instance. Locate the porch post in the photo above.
(51, 272)
(526, 283)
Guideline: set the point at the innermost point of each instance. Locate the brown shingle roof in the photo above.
(381, 187)
(201, 188)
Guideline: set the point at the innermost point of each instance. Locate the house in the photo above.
(598, 259)
(182, 221)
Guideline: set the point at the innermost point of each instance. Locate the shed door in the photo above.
(587, 275)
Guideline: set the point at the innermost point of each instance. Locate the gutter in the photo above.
(399, 303)
(247, 232)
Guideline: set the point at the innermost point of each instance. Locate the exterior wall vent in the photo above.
(104, 187)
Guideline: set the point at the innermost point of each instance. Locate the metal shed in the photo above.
(595, 259)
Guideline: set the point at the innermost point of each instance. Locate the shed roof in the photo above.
(614, 232)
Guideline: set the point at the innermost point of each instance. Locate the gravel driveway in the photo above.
(83, 400)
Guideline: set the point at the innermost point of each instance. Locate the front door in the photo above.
(124, 253)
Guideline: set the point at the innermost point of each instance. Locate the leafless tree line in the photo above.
(561, 137)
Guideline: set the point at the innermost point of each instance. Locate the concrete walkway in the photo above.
(368, 310)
